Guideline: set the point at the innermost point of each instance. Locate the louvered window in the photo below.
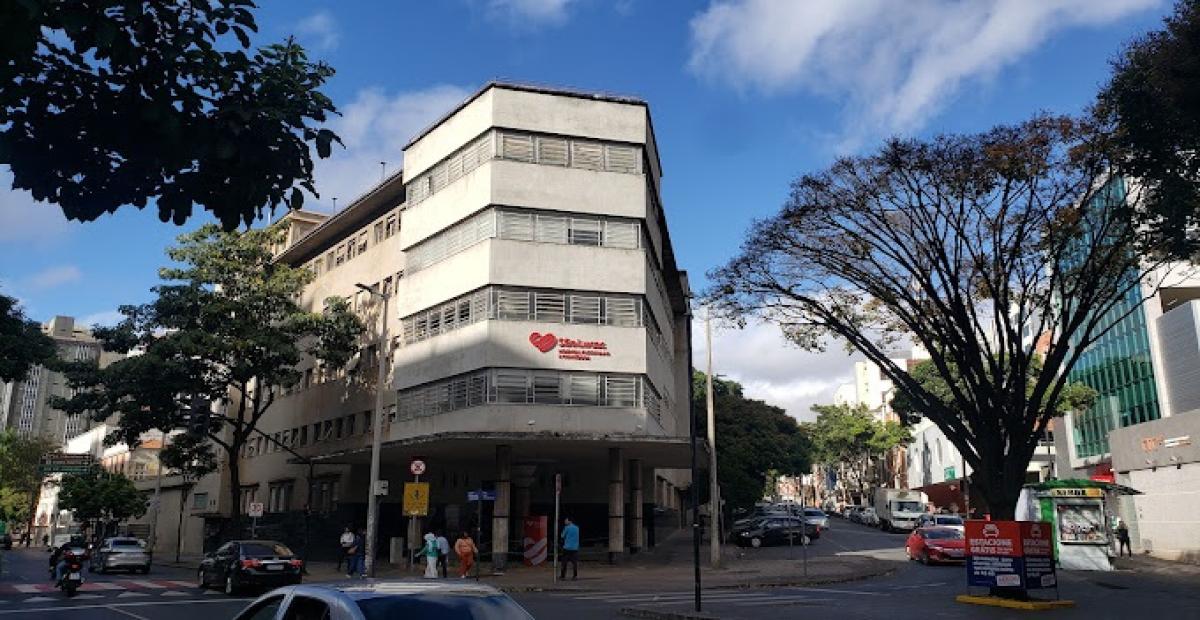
(512, 305)
(516, 226)
(511, 387)
(551, 229)
(584, 231)
(621, 391)
(549, 307)
(552, 151)
(589, 155)
(623, 312)
(516, 147)
(584, 389)
(454, 168)
(622, 158)
(476, 389)
(622, 235)
(585, 309)
(547, 389)
(439, 178)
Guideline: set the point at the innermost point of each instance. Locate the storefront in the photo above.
(1081, 512)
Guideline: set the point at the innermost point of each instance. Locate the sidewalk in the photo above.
(1148, 564)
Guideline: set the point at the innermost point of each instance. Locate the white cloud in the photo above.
(375, 126)
(894, 64)
(54, 276)
(525, 13)
(773, 370)
(24, 219)
(321, 29)
(107, 318)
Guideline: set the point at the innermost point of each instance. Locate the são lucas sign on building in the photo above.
(1010, 554)
(569, 348)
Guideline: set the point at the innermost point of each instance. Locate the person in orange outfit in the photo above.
(466, 550)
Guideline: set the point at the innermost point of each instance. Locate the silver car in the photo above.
(817, 517)
(385, 600)
(121, 554)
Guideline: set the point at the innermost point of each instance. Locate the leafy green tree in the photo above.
(20, 480)
(101, 497)
(753, 438)
(226, 328)
(22, 343)
(849, 439)
(1153, 105)
(111, 103)
(962, 244)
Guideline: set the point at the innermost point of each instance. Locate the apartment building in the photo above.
(537, 327)
(25, 405)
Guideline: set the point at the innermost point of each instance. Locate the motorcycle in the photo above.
(72, 576)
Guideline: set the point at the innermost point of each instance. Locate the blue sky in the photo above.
(745, 96)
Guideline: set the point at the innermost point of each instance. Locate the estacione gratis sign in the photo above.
(569, 348)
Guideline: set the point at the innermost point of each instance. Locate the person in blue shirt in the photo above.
(570, 546)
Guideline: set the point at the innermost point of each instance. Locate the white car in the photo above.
(867, 516)
(817, 517)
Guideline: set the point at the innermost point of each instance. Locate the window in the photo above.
(362, 242)
(550, 307)
(280, 497)
(518, 386)
(547, 389)
(584, 231)
(516, 147)
(379, 234)
(584, 389)
(585, 309)
(389, 225)
(512, 305)
(350, 425)
(265, 610)
(622, 158)
(588, 155)
(306, 608)
(510, 388)
(552, 151)
(199, 501)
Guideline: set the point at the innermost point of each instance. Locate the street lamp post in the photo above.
(376, 429)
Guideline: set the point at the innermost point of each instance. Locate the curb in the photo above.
(995, 601)
(654, 614)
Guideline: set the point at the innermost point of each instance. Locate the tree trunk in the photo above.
(233, 528)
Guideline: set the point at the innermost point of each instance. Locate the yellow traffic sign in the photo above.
(416, 499)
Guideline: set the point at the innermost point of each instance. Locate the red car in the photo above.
(936, 544)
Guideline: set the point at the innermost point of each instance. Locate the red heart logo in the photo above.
(543, 342)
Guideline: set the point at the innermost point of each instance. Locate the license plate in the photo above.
(274, 566)
(73, 576)
(957, 553)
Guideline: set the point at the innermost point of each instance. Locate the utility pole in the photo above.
(376, 426)
(162, 443)
(714, 489)
(695, 490)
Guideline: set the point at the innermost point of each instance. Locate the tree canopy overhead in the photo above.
(101, 496)
(109, 103)
(23, 345)
(965, 244)
(225, 328)
(848, 439)
(1153, 104)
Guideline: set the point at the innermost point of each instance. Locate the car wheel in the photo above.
(756, 542)
(925, 558)
(231, 587)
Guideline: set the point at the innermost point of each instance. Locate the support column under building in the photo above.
(616, 504)
(637, 534)
(500, 510)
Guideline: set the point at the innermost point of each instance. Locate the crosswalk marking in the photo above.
(146, 583)
(131, 594)
(186, 584)
(27, 588)
(174, 593)
(101, 585)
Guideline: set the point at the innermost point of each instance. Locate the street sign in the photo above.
(381, 487)
(59, 463)
(1010, 554)
(484, 496)
(417, 467)
(255, 511)
(416, 499)
(948, 473)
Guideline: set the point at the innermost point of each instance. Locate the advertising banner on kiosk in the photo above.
(1010, 554)
(536, 545)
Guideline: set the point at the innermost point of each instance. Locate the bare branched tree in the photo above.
(971, 246)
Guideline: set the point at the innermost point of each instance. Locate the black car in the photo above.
(6, 541)
(240, 564)
(778, 531)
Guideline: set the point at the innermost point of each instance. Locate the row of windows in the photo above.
(357, 244)
(525, 147)
(526, 226)
(526, 387)
(326, 430)
(497, 303)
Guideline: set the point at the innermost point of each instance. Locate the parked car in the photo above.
(817, 517)
(930, 545)
(930, 520)
(778, 531)
(246, 563)
(6, 541)
(758, 514)
(867, 516)
(120, 554)
(384, 600)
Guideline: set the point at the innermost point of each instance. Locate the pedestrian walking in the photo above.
(346, 541)
(466, 550)
(1123, 540)
(431, 556)
(443, 554)
(570, 547)
(46, 540)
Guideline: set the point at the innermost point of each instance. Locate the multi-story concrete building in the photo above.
(538, 327)
(25, 405)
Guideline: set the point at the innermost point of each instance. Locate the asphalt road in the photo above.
(910, 591)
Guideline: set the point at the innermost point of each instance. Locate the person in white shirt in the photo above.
(443, 546)
(346, 541)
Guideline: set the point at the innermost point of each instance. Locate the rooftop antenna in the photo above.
(382, 170)
(335, 204)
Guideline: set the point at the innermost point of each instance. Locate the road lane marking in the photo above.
(186, 584)
(175, 593)
(787, 600)
(145, 583)
(129, 613)
(8, 612)
(27, 588)
(131, 594)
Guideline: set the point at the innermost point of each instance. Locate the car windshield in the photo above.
(949, 520)
(813, 512)
(907, 507)
(127, 542)
(443, 606)
(264, 549)
(943, 534)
